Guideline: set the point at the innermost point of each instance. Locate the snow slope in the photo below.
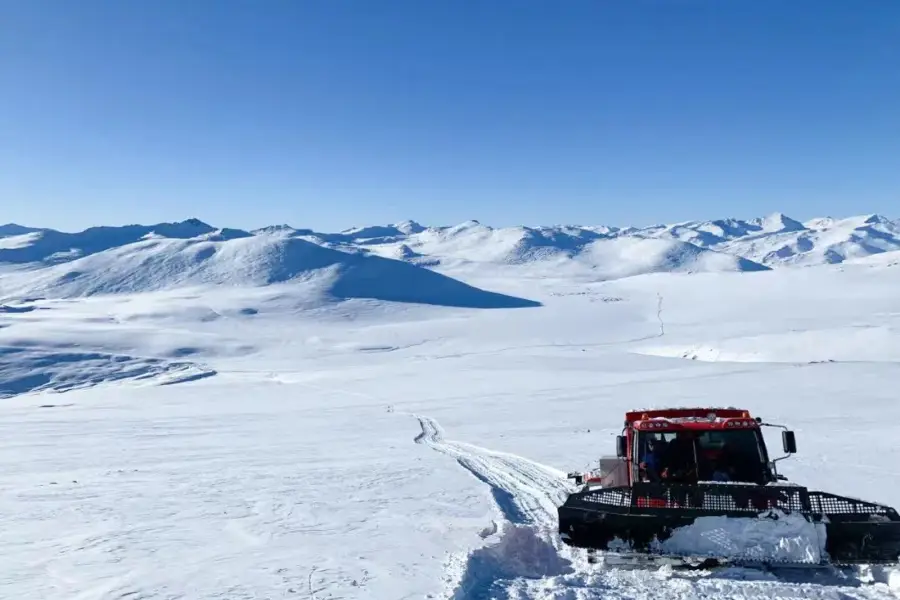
(823, 242)
(778, 240)
(551, 251)
(472, 241)
(49, 246)
(29, 369)
(629, 256)
(712, 233)
(775, 240)
(236, 259)
(362, 449)
(11, 229)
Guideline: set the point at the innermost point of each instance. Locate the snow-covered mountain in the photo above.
(235, 258)
(771, 241)
(602, 252)
(405, 256)
(712, 233)
(369, 450)
(48, 246)
(11, 229)
(821, 241)
(778, 240)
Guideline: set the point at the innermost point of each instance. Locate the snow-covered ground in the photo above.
(280, 439)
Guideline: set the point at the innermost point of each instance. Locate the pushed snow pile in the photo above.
(256, 260)
(773, 536)
(518, 553)
(32, 369)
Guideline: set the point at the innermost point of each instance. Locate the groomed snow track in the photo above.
(527, 493)
(524, 559)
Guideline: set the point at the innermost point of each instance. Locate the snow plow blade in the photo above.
(641, 519)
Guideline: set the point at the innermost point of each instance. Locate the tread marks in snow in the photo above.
(526, 492)
(527, 495)
(527, 562)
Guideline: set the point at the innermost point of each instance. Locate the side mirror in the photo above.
(621, 446)
(789, 442)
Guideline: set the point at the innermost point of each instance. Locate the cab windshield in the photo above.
(689, 456)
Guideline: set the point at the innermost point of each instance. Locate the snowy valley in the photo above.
(389, 412)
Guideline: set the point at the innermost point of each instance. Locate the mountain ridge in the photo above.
(729, 227)
(149, 257)
(157, 263)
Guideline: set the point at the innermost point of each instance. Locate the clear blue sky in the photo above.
(328, 114)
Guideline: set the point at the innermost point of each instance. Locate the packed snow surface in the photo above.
(772, 536)
(194, 427)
